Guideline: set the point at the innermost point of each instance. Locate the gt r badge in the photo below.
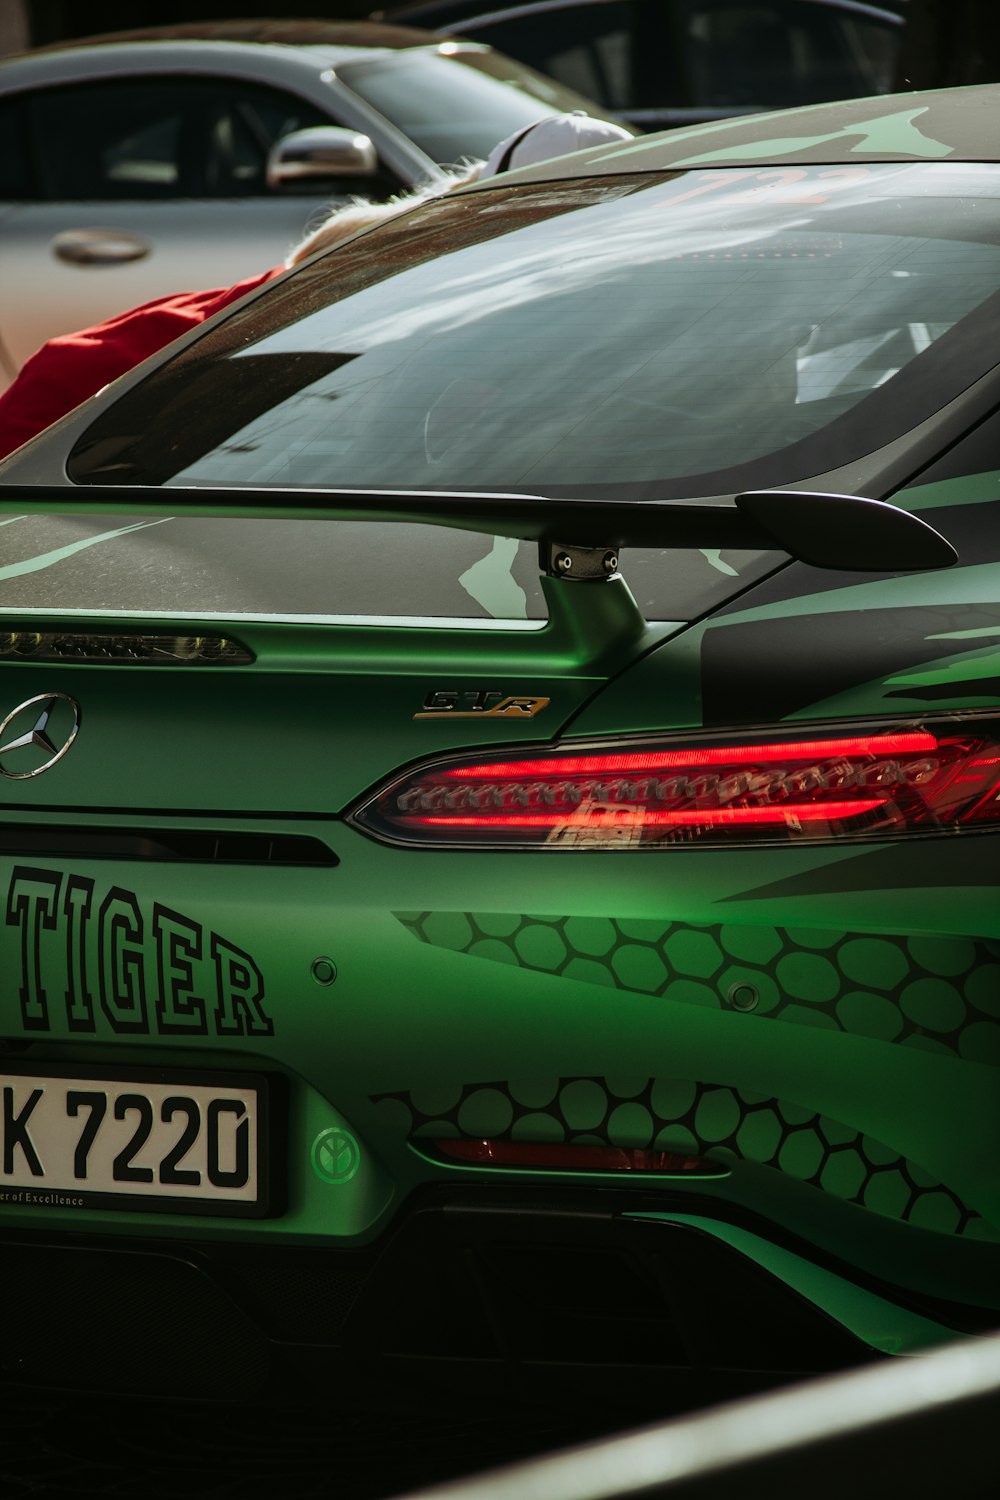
(470, 703)
(43, 729)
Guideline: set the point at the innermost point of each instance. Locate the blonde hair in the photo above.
(361, 214)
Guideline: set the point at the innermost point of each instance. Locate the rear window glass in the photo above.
(642, 337)
(714, 331)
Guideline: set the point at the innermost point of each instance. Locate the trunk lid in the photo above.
(233, 664)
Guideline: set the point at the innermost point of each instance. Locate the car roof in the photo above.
(961, 124)
(288, 33)
(314, 44)
(441, 13)
(206, 46)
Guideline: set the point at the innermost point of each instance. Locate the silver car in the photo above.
(191, 157)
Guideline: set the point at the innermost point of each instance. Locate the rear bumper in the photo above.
(511, 1294)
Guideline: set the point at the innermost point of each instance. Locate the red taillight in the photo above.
(867, 783)
(569, 1158)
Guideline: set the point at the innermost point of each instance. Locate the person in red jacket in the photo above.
(70, 368)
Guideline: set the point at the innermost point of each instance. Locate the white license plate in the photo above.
(135, 1139)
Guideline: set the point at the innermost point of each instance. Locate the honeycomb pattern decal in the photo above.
(941, 994)
(702, 1119)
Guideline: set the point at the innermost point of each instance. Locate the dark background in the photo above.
(947, 41)
(54, 20)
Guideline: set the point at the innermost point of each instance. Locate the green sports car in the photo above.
(500, 760)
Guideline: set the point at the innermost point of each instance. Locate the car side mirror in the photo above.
(322, 151)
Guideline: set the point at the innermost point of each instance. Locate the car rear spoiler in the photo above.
(577, 539)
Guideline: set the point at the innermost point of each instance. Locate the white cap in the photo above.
(555, 135)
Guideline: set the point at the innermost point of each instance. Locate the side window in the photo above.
(115, 140)
(243, 121)
(17, 181)
(713, 54)
(585, 47)
(160, 137)
(775, 53)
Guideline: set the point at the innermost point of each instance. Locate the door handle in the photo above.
(99, 247)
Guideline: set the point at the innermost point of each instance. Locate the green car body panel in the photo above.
(816, 1024)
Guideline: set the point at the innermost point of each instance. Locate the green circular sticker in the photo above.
(336, 1155)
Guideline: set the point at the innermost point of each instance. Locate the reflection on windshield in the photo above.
(698, 334)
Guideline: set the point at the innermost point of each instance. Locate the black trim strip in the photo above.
(193, 846)
(504, 161)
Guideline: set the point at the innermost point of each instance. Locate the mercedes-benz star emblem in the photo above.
(43, 730)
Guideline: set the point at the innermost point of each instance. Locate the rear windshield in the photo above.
(655, 337)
